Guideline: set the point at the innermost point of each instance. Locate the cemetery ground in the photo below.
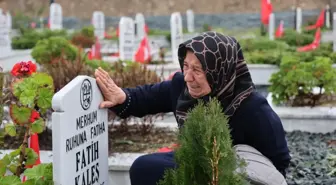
(309, 164)
(137, 138)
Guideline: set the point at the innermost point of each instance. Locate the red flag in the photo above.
(142, 55)
(33, 143)
(315, 44)
(146, 29)
(107, 36)
(48, 23)
(165, 149)
(95, 50)
(317, 37)
(33, 24)
(319, 22)
(168, 149)
(280, 30)
(266, 10)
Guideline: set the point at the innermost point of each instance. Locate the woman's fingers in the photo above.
(105, 78)
(104, 72)
(102, 85)
(106, 104)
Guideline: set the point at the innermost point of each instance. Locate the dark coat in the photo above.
(254, 122)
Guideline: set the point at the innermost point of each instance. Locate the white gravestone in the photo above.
(79, 134)
(9, 21)
(56, 17)
(126, 38)
(5, 41)
(140, 25)
(98, 21)
(327, 16)
(176, 32)
(190, 21)
(298, 19)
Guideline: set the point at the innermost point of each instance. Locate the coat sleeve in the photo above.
(270, 138)
(145, 100)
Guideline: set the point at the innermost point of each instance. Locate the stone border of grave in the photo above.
(308, 119)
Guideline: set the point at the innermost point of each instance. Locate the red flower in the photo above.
(34, 116)
(23, 68)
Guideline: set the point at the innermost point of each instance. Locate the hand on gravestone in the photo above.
(113, 95)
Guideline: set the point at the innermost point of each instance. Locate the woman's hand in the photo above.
(113, 95)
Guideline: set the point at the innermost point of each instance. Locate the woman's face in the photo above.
(195, 77)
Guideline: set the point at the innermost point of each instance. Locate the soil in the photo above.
(134, 139)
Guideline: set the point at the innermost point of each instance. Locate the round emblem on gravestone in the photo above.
(86, 94)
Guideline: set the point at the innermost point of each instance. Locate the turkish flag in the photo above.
(146, 29)
(315, 44)
(95, 50)
(142, 55)
(48, 23)
(107, 36)
(266, 10)
(168, 149)
(280, 30)
(319, 22)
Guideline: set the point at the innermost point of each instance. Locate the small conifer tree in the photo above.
(206, 155)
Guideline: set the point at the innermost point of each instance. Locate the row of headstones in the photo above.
(127, 34)
(298, 18)
(5, 29)
(127, 29)
(298, 21)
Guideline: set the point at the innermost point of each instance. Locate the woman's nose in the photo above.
(188, 76)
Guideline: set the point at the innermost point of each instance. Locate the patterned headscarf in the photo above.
(226, 72)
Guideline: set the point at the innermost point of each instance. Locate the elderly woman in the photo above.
(212, 65)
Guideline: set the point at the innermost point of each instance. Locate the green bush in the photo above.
(158, 32)
(30, 37)
(23, 43)
(168, 37)
(85, 38)
(265, 51)
(132, 74)
(88, 31)
(293, 84)
(46, 33)
(47, 50)
(324, 50)
(312, 32)
(206, 155)
(262, 44)
(265, 57)
(94, 64)
(292, 38)
(27, 40)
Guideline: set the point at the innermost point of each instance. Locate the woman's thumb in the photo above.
(106, 104)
